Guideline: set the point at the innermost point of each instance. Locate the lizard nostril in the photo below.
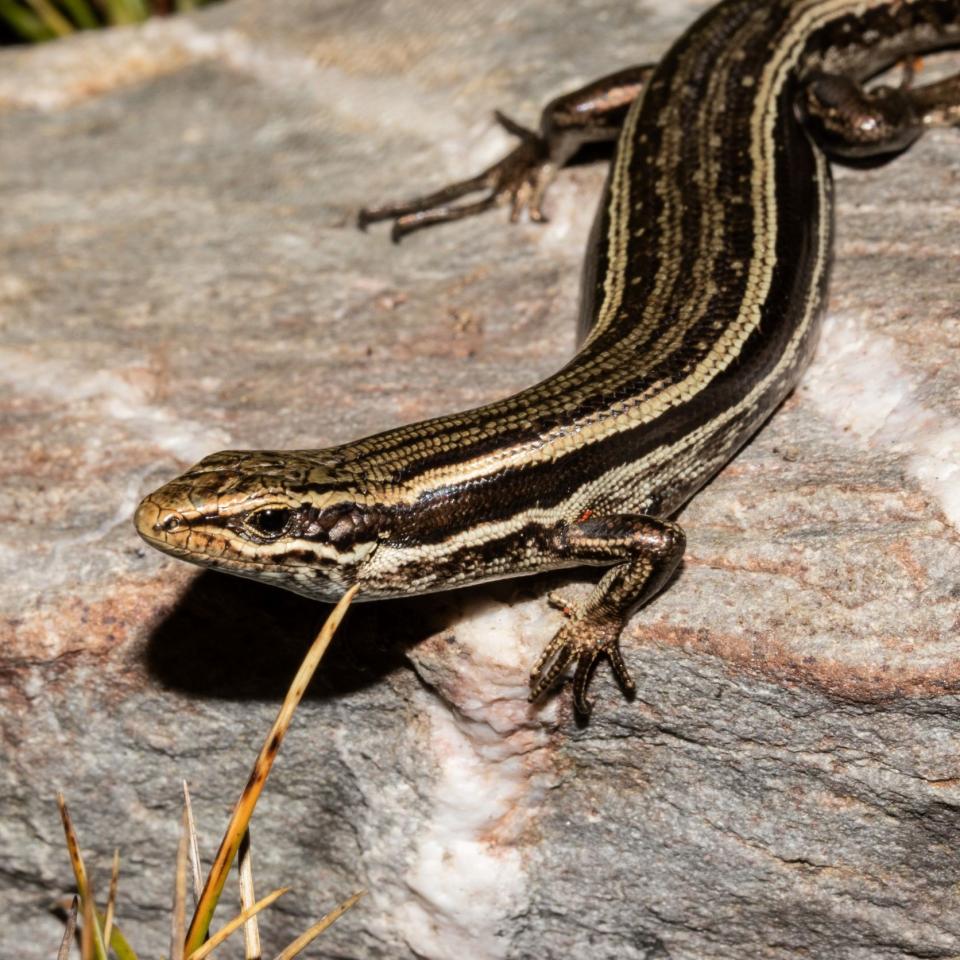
(155, 522)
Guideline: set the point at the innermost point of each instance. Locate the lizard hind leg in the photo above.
(593, 113)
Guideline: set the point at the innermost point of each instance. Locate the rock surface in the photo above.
(179, 273)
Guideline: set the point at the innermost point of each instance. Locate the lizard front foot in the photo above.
(584, 638)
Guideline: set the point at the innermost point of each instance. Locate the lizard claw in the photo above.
(586, 641)
(555, 657)
(520, 179)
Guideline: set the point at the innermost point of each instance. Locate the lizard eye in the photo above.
(269, 523)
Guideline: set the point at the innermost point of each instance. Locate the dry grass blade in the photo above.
(111, 899)
(235, 924)
(261, 768)
(87, 949)
(92, 934)
(252, 949)
(194, 846)
(178, 921)
(64, 952)
(308, 935)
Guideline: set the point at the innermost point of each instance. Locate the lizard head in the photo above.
(300, 520)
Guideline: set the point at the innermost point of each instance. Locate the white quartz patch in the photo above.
(490, 630)
(468, 876)
(465, 884)
(859, 385)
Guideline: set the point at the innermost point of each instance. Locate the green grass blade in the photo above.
(24, 23)
(122, 12)
(118, 942)
(81, 13)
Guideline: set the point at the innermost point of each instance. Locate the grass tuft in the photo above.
(99, 933)
(33, 21)
(243, 811)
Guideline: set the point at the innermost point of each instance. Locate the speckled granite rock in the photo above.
(179, 274)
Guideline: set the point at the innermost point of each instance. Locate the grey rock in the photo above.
(179, 273)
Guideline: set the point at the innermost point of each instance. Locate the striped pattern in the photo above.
(711, 262)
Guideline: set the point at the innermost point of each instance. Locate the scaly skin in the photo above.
(702, 299)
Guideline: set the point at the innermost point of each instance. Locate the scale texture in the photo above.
(179, 274)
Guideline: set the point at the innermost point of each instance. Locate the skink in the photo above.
(704, 285)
